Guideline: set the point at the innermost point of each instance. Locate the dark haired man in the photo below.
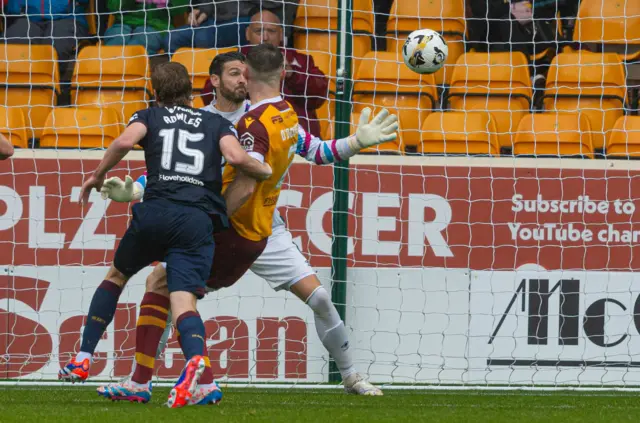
(304, 85)
(183, 207)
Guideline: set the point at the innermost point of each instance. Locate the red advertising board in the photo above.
(481, 218)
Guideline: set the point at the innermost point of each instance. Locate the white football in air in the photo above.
(425, 51)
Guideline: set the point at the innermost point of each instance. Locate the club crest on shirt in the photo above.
(247, 141)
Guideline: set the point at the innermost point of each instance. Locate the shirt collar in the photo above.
(266, 101)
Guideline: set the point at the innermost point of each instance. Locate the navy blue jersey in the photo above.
(183, 157)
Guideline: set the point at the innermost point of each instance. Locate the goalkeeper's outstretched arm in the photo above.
(383, 128)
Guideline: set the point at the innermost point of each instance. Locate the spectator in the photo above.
(143, 22)
(58, 22)
(305, 86)
(224, 23)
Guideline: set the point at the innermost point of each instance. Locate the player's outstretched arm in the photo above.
(235, 155)
(238, 192)
(6, 148)
(383, 128)
(119, 148)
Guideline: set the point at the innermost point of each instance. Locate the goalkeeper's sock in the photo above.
(331, 330)
(103, 307)
(152, 322)
(192, 334)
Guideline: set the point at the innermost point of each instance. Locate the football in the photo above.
(425, 51)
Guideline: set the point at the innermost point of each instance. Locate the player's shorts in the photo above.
(281, 263)
(161, 230)
(234, 256)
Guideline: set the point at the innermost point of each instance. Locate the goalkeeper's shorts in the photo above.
(281, 263)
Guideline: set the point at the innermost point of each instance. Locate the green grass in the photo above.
(82, 404)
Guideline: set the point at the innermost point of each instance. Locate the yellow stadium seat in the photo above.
(198, 103)
(392, 147)
(381, 81)
(590, 83)
(463, 133)
(326, 43)
(444, 16)
(625, 138)
(323, 15)
(197, 62)
(13, 126)
(326, 62)
(29, 80)
(554, 134)
(498, 83)
(82, 127)
(326, 117)
(609, 23)
(112, 76)
(316, 24)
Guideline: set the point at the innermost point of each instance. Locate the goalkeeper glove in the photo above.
(121, 191)
(381, 129)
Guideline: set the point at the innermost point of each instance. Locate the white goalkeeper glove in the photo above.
(121, 191)
(381, 129)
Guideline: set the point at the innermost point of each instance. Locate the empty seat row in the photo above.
(475, 133)
(117, 77)
(449, 133)
(64, 127)
(499, 83)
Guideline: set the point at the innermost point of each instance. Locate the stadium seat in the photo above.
(326, 117)
(624, 140)
(198, 103)
(381, 81)
(499, 83)
(554, 134)
(13, 126)
(197, 62)
(82, 127)
(112, 76)
(323, 15)
(393, 147)
(326, 62)
(29, 80)
(591, 83)
(459, 133)
(316, 25)
(444, 16)
(610, 25)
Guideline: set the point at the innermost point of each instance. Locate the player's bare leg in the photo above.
(332, 333)
(101, 312)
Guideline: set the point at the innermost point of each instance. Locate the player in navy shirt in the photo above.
(184, 151)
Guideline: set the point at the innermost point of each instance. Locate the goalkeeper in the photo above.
(281, 264)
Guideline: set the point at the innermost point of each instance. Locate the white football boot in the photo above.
(356, 384)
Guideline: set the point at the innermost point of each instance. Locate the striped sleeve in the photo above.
(320, 152)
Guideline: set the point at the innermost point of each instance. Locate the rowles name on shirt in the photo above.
(195, 122)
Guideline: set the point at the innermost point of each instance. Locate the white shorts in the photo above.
(281, 263)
